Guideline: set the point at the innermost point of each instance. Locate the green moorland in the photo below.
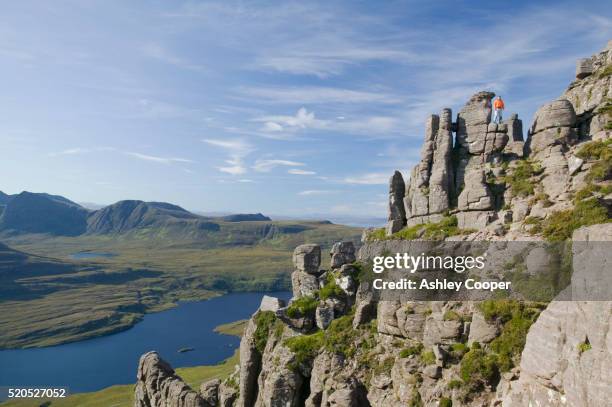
(122, 395)
(47, 299)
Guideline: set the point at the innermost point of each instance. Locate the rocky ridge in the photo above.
(471, 177)
(335, 345)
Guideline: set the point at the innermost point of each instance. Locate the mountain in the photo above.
(125, 216)
(246, 217)
(4, 198)
(30, 212)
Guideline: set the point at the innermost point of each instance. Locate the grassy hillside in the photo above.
(150, 270)
(123, 395)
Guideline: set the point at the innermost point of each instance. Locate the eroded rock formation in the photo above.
(463, 163)
(335, 344)
(157, 385)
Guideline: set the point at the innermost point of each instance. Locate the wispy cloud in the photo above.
(289, 125)
(297, 171)
(71, 151)
(329, 61)
(316, 94)
(268, 165)
(157, 159)
(80, 150)
(236, 146)
(237, 150)
(375, 178)
(311, 192)
(235, 167)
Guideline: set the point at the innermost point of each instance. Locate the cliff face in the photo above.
(335, 344)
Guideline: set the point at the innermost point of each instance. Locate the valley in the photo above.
(158, 254)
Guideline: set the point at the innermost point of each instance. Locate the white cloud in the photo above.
(71, 151)
(374, 178)
(302, 119)
(236, 146)
(235, 168)
(305, 120)
(237, 150)
(297, 171)
(310, 192)
(272, 126)
(246, 181)
(161, 160)
(80, 150)
(267, 165)
(316, 94)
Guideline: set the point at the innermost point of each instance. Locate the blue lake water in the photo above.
(90, 255)
(101, 362)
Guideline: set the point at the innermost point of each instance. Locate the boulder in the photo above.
(559, 113)
(433, 371)
(304, 284)
(439, 331)
(271, 304)
(342, 253)
(574, 164)
(495, 141)
(481, 331)
(158, 385)
(520, 210)
(584, 68)
(307, 258)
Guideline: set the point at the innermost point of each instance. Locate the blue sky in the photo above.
(292, 108)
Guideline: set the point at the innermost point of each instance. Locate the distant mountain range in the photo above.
(29, 212)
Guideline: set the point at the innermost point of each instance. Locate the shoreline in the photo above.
(43, 342)
(121, 395)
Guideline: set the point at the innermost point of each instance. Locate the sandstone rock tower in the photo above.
(451, 172)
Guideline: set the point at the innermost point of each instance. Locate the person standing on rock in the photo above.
(498, 106)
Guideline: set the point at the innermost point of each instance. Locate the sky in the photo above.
(286, 108)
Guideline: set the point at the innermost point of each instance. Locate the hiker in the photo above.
(498, 106)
